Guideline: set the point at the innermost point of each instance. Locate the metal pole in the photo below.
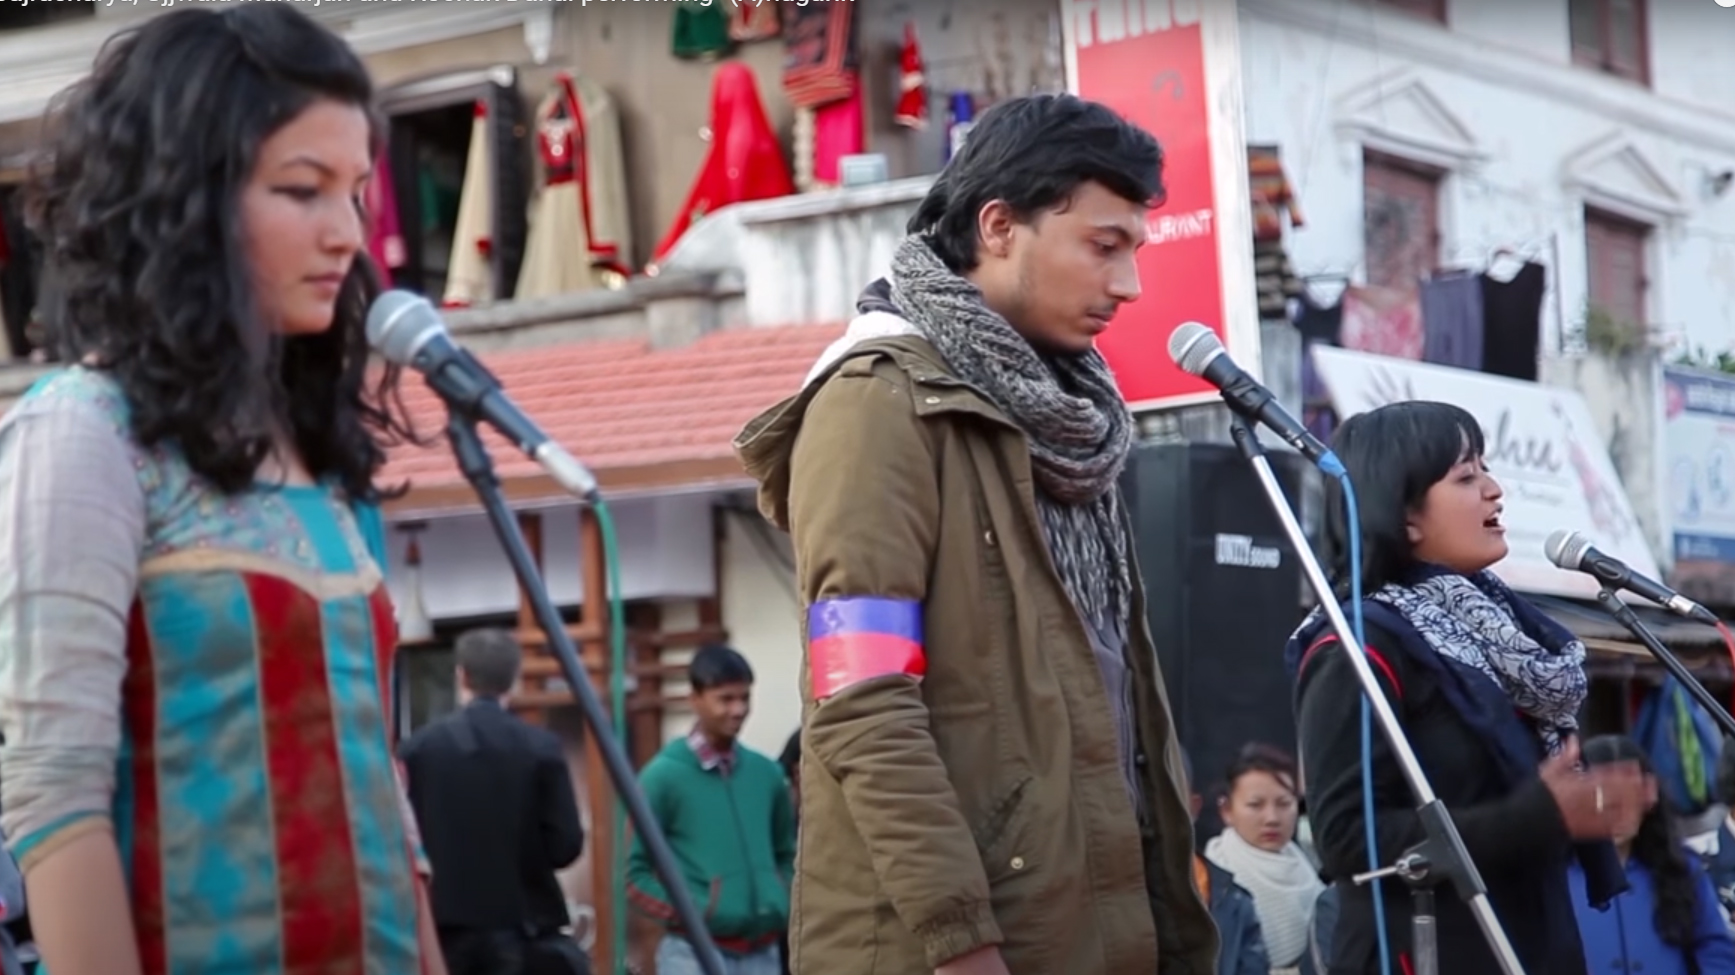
(478, 468)
(1443, 834)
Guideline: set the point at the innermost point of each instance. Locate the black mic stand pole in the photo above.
(478, 469)
(1441, 858)
(1629, 619)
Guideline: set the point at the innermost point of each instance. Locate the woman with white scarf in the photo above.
(1258, 847)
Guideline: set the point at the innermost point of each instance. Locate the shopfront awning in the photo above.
(646, 421)
(1614, 650)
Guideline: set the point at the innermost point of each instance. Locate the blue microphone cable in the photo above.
(1353, 516)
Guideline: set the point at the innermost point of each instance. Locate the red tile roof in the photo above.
(619, 404)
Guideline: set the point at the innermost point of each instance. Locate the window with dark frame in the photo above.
(428, 148)
(1611, 36)
(1400, 220)
(1615, 259)
(21, 335)
(1434, 10)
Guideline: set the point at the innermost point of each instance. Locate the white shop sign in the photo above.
(1542, 446)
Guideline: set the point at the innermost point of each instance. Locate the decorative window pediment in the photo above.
(1614, 174)
(1400, 114)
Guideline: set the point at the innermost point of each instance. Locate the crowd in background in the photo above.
(1276, 911)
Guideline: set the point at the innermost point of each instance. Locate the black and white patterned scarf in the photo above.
(1481, 623)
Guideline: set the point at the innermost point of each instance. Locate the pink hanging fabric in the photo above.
(837, 132)
(385, 238)
(1382, 321)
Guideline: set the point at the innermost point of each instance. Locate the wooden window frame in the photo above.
(1374, 160)
(1601, 224)
(500, 88)
(1600, 55)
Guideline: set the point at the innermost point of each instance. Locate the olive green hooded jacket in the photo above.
(981, 803)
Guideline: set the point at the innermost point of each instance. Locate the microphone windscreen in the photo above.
(1193, 346)
(1566, 548)
(399, 322)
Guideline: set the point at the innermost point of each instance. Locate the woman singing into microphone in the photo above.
(1487, 690)
(194, 635)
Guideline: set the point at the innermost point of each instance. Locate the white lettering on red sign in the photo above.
(1167, 227)
(1108, 21)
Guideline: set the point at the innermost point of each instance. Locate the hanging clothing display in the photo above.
(820, 80)
(580, 234)
(1320, 320)
(802, 138)
(470, 276)
(1272, 198)
(1274, 278)
(385, 242)
(701, 30)
(745, 161)
(1512, 322)
(962, 113)
(18, 282)
(819, 63)
(1319, 324)
(1382, 321)
(1452, 320)
(754, 22)
(912, 110)
(837, 132)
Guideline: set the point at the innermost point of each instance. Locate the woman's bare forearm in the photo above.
(434, 961)
(79, 909)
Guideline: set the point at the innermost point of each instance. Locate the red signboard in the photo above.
(1150, 60)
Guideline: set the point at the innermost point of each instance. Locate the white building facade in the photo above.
(1594, 136)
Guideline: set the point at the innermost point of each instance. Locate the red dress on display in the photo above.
(745, 161)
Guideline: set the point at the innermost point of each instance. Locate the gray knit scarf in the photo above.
(1071, 412)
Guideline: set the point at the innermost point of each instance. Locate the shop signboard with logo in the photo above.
(1699, 478)
(1541, 446)
(1173, 67)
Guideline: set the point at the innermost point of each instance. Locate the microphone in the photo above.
(1197, 350)
(407, 330)
(1573, 551)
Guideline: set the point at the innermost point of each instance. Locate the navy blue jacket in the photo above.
(1243, 942)
(1482, 760)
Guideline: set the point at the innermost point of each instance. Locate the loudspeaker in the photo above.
(1224, 590)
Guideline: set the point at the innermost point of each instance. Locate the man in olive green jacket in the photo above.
(990, 780)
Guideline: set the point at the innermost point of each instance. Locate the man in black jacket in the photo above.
(495, 804)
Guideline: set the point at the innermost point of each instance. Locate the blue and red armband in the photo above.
(851, 639)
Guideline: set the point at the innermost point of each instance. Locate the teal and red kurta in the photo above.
(254, 795)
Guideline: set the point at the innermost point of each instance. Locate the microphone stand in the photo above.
(1441, 858)
(478, 469)
(1629, 619)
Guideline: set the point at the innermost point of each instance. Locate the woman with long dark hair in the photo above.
(1668, 921)
(195, 637)
(1487, 690)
